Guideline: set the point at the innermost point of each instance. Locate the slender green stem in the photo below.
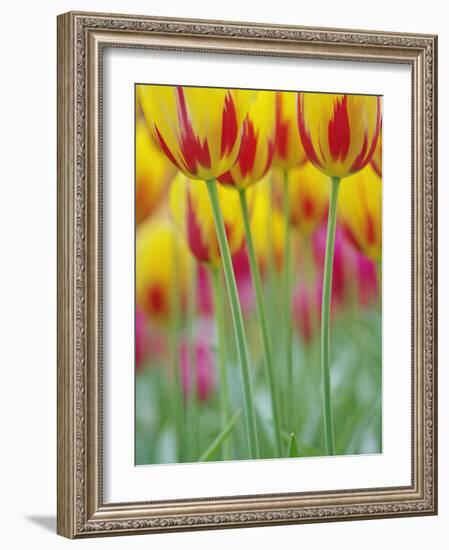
(262, 319)
(328, 420)
(287, 308)
(221, 438)
(250, 411)
(221, 354)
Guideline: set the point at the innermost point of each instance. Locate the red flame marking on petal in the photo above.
(361, 162)
(165, 147)
(248, 148)
(305, 136)
(192, 150)
(227, 179)
(229, 128)
(194, 236)
(281, 129)
(157, 300)
(339, 134)
(361, 159)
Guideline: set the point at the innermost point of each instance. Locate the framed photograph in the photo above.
(247, 274)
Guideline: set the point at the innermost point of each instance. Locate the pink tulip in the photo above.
(204, 292)
(306, 311)
(353, 273)
(344, 261)
(367, 280)
(205, 369)
(243, 279)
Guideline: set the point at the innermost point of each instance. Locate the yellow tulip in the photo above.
(256, 149)
(288, 149)
(191, 209)
(199, 129)
(339, 132)
(162, 260)
(153, 172)
(308, 190)
(360, 211)
(267, 227)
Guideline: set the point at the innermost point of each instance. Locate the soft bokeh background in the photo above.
(180, 389)
(28, 473)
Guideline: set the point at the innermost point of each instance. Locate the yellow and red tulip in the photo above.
(360, 211)
(199, 129)
(162, 261)
(153, 172)
(267, 225)
(191, 209)
(339, 132)
(308, 190)
(306, 306)
(288, 149)
(256, 148)
(376, 161)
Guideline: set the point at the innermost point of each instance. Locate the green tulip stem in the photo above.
(328, 420)
(287, 309)
(236, 311)
(262, 319)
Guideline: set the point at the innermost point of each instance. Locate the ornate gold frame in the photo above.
(81, 38)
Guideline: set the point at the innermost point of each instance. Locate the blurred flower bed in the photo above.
(207, 387)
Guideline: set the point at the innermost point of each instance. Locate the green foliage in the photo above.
(356, 374)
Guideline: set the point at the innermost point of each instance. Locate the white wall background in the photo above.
(28, 270)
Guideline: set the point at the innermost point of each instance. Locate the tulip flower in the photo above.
(339, 134)
(267, 227)
(360, 210)
(153, 172)
(191, 209)
(162, 261)
(376, 161)
(204, 294)
(199, 129)
(288, 149)
(204, 366)
(368, 286)
(308, 190)
(242, 270)
(351, 269)
(252, 164)
(288, 153)
(257, 145)
(343, 271)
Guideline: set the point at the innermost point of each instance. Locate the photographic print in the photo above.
(247, 274)
(258, 274)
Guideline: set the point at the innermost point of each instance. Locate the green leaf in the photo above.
(292, 451)
(304, 449)
(215, 445)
